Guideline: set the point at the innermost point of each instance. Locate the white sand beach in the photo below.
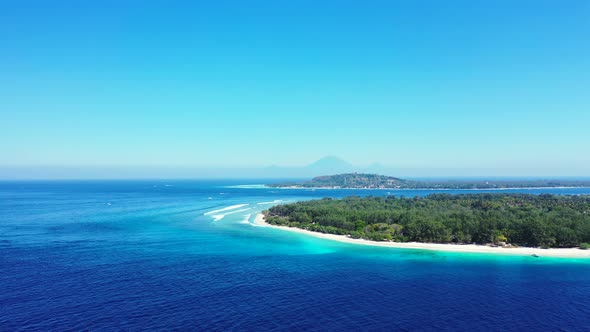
(472, 248)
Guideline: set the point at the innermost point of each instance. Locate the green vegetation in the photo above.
(355, 180)
(525, 220)
(585, 246)
(374, 181)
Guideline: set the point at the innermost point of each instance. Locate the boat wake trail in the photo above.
(232, 207)
(218, 217)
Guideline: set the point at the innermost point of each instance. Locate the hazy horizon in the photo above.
(183, 89)
(325, 166)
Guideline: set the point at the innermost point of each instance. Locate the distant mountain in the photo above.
(324, 166)
(330, 165)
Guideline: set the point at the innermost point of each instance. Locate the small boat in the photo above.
(535, 255)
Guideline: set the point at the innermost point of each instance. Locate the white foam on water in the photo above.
(218, 217)
(232, 207)
(247, 219)
(273, 202)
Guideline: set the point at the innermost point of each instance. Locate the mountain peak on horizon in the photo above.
(330, 161)
(331, 164)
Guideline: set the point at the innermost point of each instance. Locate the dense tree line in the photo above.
(519, 219)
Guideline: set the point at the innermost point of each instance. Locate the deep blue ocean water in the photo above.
(160, 255)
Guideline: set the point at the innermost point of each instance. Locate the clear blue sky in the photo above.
(497, 84)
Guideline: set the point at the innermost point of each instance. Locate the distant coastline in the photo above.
(407, 189)
(377, 181)
(463, 248)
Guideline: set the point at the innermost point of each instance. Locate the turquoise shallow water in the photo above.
(138, 255)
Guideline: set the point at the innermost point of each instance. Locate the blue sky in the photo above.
(500, 86)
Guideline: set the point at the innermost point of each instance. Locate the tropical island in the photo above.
(503, 220)
(376, 181)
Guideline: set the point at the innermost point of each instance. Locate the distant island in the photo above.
(376, 181)
(506, 220)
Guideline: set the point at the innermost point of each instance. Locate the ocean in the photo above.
(186, 255)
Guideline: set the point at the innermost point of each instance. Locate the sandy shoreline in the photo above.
(472, 248)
